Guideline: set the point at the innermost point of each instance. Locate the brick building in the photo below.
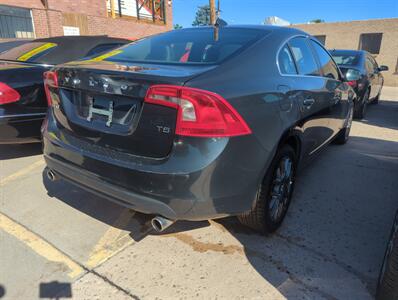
(118, 18)
(379, 37)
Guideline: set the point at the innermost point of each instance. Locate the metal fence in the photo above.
(15, 22)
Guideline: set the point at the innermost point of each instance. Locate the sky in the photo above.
(294, 11)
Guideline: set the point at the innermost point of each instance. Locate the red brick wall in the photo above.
(123, 28)
(85, 7)
(40, 23)
(49, 22)
(23, 3)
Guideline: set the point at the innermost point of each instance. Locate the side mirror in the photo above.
(383, 68)
(352, 75)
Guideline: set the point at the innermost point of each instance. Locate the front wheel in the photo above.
(360, 108)
(274, 194)
(376, 100)
(344, 134)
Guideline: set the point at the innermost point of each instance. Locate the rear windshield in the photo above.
(345, 59)
(34, 52)
(192, 46)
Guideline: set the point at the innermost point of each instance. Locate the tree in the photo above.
(202, 16)
(177, 26)
(317, 21)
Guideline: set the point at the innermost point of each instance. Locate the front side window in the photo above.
(286, 62)
(369, 66)
(374, 63)
(303, 56)
(328, 67)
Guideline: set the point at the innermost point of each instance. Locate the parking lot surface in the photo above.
(59, 241)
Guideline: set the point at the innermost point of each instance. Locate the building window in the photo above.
(370, 42)
(15, 22)
(321, 39)
(146, 10)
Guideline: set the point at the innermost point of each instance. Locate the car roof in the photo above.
(269, 28)
(85, 39)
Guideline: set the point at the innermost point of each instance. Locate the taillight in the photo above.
(50, 80)
(8, 94)
(352, 83)
(199, 113)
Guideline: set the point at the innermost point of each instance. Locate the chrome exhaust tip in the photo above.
(51, 175)
(160, 224)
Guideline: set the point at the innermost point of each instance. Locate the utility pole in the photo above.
(212, 12)
(112, 4)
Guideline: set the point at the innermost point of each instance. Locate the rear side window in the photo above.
(328, 67)
(286, 62)
(196, 46)
(303, 56)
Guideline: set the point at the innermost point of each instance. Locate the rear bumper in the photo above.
(20, 128)
(201, 179)
(104, 189)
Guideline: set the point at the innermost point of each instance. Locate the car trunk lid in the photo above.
(102, 107)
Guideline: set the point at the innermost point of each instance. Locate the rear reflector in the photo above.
(200, 113)
(8, 94)
(50, 80)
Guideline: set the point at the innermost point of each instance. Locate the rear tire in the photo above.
(267, 214)
(376, 100)
(360, 109)
(387, 288)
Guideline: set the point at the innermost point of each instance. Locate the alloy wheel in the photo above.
(281, 189)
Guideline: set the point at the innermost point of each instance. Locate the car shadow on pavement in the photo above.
(105, 211)
(19, 150)
(384, 114)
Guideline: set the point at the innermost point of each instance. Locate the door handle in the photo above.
(307, 103)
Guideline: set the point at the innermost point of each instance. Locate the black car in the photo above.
(184, 126)
(23, 102)
(4, 46)
(359, 63)
(387, 288)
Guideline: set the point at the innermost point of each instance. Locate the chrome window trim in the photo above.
(285, 42)
(331, 57)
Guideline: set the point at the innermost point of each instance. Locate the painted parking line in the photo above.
(39, 245)
(114, 240)
(22, 172)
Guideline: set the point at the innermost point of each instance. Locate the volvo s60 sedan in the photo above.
(363, 74)
(186, 125)
(23, 103)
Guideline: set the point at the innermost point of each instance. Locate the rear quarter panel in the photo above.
(251, 82)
